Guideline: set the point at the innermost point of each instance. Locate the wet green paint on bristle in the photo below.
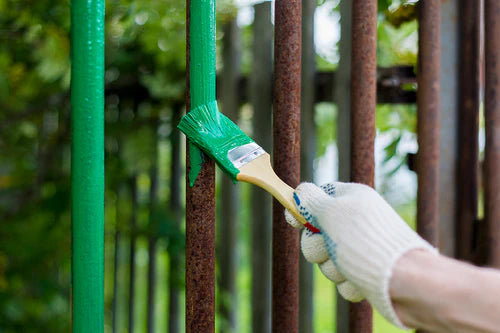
(215, 134)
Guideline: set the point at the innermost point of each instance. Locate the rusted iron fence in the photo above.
(473, 239)
(286, 161)
(200, 215)
(370, 85)
(363, 103)
(428, 97)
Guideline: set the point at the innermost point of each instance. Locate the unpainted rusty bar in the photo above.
(492, 127)
(363, 104)
(286, 157)
(200, 232)
(428, 103)
(468, 124)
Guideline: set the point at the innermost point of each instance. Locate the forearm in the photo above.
(439, 294)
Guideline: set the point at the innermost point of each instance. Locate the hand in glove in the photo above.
(360, 241)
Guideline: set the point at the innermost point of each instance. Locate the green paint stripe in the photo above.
(202, 66)
(87, 164)
(202, 52)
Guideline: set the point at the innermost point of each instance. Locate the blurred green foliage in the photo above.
(145, 61)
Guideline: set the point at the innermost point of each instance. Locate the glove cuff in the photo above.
(372, 277)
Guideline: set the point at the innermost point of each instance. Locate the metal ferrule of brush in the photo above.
(244, 154)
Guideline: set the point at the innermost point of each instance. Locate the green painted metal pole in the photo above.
(87, 164)
(200, 196)
(202, 52)
(202, 70)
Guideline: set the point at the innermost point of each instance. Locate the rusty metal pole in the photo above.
(428, 103)
(492, 126)
(363, 104)
(468, 149)
(200, 224)
(286, 157)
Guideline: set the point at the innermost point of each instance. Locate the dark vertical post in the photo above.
(261, 99)
(343, 100)
(448, 152)
(174, 270)
(492, 121)
(114, 309)
(228, 228)
(116, 262)
(307, 154)
(468, 148)
(200, 198)
(151, 288)
(133, 237)
(286, 141)
(363, 105)
(428, 119)
(87, 165)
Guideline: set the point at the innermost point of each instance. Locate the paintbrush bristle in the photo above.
(215, 134)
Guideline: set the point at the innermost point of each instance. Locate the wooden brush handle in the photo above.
(259, 172)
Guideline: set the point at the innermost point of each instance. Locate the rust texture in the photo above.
(492, 126)
(363, 90)
(428, 104)
(363, 104)
(468, 124)
(286, 157)
(200, 236)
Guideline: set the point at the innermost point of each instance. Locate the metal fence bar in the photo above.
(286, 92)
(152, 240)
(200, 198)
(363, 104)
(261, 99)
(174, 264)
(492, 126)
(428, 103)
(342, 97)
(227, 228)
(132, 252)
(87, 164)
(448, 153)
(468, 150)
(308, 154)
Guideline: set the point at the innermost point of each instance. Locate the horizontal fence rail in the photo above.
(395, 85)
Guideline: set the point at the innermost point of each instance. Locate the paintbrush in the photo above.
(237, 154)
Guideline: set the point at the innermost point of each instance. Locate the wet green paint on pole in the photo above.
(87, 164)
(202, 67)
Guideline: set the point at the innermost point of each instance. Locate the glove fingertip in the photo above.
(331, 272)
(290, 219)
(313, 247)
(349, 292)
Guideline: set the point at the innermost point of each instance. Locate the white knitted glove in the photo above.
(361, 239)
